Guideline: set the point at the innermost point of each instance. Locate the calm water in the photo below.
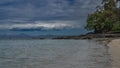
(53, 54)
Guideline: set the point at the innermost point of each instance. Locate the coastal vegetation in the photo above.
(106, 18)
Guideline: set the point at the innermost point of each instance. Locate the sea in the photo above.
(49, 53)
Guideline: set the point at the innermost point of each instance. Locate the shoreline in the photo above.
(114, 51)
(84, 36)
(89, 36)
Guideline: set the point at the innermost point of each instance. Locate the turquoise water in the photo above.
(53, 54)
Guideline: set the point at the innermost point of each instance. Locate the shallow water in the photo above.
(53, 54)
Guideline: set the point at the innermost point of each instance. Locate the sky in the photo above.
(45, 14)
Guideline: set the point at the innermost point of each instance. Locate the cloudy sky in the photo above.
(47, 14)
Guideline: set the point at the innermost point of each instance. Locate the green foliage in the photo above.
(104, 18)
(116, 27)
(109, 4)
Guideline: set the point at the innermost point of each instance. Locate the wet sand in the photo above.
(114, 50)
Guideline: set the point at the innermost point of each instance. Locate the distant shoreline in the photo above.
(84, 36)
(90, 36)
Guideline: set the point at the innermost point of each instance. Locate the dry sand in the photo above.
(114, 50)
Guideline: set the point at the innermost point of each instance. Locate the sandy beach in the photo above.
(114, 50)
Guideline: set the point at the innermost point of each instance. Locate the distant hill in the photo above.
(32, 29)
(25, 36)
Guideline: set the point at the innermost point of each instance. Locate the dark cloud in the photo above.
(30, 11)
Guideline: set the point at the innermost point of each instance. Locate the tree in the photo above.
(116, 27)
(104, 18)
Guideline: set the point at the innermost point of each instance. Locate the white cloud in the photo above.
(43, 25)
